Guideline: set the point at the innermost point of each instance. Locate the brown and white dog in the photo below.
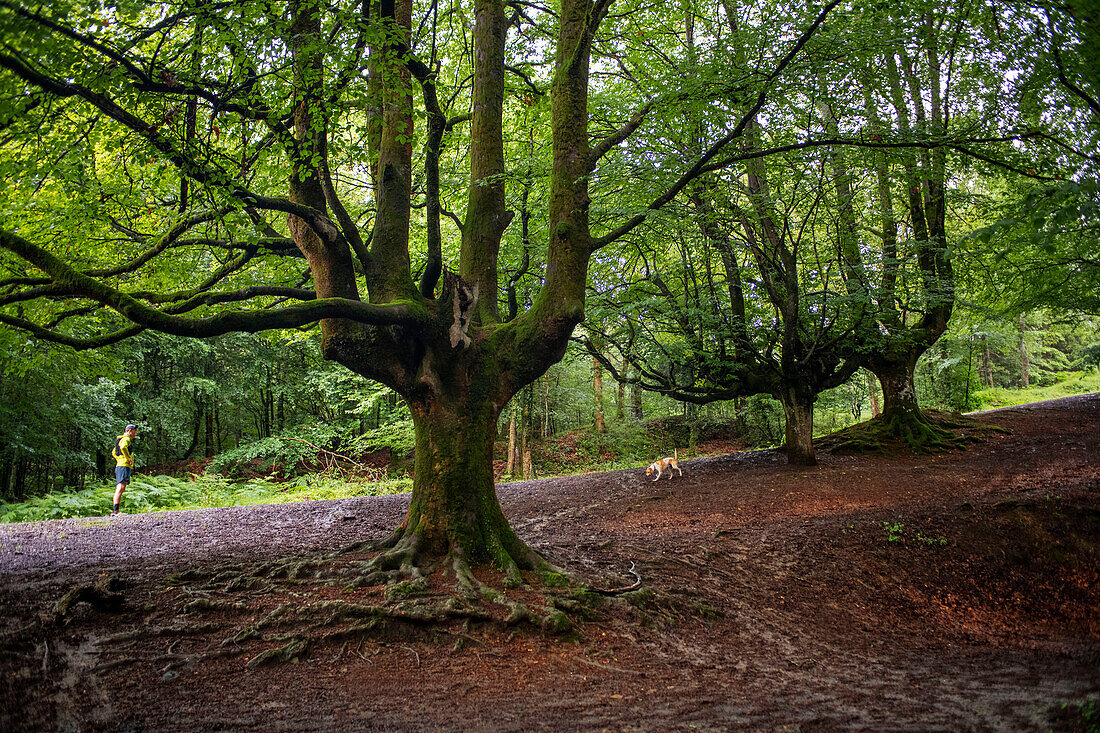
(661, 464)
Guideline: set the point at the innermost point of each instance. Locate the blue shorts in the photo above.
(122, 474)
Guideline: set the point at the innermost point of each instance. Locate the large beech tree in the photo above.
(286, 133)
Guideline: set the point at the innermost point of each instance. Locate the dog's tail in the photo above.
(674, 453)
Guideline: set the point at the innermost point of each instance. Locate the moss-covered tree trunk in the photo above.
(899, 394)
(901, 415)
(454, 512)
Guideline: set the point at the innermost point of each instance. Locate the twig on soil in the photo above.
(607, 666)
(626, 589)
(413, 651)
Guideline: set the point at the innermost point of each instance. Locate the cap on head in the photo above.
(131, 427)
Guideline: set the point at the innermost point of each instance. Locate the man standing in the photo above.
(124, 463)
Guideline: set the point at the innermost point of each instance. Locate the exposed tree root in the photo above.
(625, 589)
(102, 594)
(402, 589)
(921, 432)
(294, 648)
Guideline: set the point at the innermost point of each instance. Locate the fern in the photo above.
(166, 493)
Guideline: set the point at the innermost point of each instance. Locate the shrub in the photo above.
(165, 493)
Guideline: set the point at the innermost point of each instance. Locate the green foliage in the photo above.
(946, 377)
(894, 531)
(1045, 247)
(398, 436)
(278, 450)
(165, 493)
(1085, 713)
(297, 448)
(1090, 355)
(57, 409)
(895, 534)
(1066, 384)
(762, 422)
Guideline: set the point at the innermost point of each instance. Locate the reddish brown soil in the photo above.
(951, 592)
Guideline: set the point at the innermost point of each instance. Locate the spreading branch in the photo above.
(292, 316)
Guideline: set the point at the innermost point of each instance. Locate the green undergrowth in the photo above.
(1067, 384)
(166, 493)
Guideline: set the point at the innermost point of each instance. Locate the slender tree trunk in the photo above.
(597, 390)
(528, 463)
(620, 394)
(510, 469)
(209, 452)
(987, 362)
(798, 409)
(19, 479)
(195, 433)
(218, 426)
(1025, 364)
(5, 480)
(872, 389)
(546, 411)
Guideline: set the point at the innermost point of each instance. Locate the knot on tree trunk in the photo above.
(464, 299)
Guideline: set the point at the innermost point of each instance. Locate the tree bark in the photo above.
(528, 464)
(798, 409)
(511, 467)
(1025, 363)
(899, 394)
(872, 389)
(636, 402)
(209, 444)
(987, 363)
(597, 390)
(454, 513)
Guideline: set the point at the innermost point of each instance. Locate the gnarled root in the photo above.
(922, 432)
(102, 594)
(411, 586)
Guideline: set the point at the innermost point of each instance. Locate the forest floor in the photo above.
(957, 591)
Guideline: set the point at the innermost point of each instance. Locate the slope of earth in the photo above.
(958, 591)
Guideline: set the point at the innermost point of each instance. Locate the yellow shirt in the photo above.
(121, 452)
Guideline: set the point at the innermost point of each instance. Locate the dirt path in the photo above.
(950, 592)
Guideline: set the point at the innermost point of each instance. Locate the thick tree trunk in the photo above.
(798, 409)
(899, 395)
(454, 512)
(901, 415)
